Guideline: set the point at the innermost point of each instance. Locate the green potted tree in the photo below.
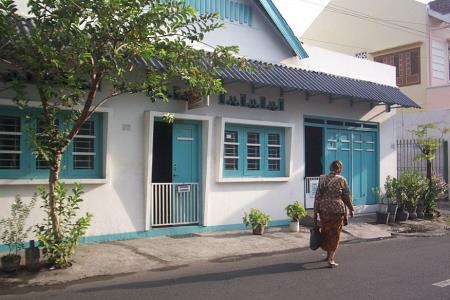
(401, 198)
(413, 185)
(296, 212)
(13, 233)
(257, 219)
(390, 187)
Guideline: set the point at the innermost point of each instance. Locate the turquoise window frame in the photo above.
(264, 132)
(96, 172)
(240, 134)
(24, 158)
(260, 172)
(28, 168)
(281, 172)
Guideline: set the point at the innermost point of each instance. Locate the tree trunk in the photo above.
(53, 179)
(429, 167)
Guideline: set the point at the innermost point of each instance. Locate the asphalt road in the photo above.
(400, 268)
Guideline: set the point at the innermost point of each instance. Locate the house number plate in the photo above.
(183, 188)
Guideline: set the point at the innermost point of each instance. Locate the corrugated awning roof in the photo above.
(314, 83)
(319, 83)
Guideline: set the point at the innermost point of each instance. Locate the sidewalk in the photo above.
(163, 253)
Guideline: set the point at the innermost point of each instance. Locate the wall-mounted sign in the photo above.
(183, 188)
(252, 101)
(311, 184)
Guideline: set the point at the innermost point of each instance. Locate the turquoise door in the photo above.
(338, 147)
(371, 166)
(359, 169)
(357, 151)
(185, 153)
(186, 147)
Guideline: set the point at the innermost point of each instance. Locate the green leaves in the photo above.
(12, 229)
(256, 218)
(73, 228)
(295, 211)
(67, 49)
(427, 143)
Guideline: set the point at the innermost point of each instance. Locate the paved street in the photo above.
(400, 268)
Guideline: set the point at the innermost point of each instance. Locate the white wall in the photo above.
(119, 204)
(261, 41)
(331, 62)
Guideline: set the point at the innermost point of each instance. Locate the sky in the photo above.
(289, 9)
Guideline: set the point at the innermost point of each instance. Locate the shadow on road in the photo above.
(212, 277)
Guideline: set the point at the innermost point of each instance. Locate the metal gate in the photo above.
(407, 151)
(174, 204)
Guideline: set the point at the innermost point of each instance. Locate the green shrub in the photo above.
(295, 211)
(434, 191)
(12, 229)
(390, 187)
(411, 186)
(59, 252)
(256, 218)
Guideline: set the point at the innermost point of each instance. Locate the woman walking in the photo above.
(331, 202)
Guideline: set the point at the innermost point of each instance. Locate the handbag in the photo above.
(315, 237)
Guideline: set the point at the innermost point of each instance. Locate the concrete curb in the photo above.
(420, 234)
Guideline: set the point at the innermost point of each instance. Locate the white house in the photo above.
(250, 148)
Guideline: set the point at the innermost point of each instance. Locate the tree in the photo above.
(428, 145)
(68, 48)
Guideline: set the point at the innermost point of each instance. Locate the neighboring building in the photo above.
(412, 36)
(438, 92)
(252, 147)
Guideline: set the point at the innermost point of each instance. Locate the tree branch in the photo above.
(95, 80)
(101, 102)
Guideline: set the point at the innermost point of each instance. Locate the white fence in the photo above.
(174, 204)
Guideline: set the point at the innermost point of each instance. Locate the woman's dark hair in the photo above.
(336, 166)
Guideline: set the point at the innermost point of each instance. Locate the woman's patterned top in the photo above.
(332, 194)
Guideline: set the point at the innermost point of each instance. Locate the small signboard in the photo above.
(183, 188)
(311, 184)
(197, 102)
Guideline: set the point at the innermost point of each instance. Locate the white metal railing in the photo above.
(174, 204)
(310, 190)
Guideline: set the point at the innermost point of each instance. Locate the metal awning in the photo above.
(312, 83)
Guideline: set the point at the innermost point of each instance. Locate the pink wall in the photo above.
(439, 42)
(438, 92)
(438, 98)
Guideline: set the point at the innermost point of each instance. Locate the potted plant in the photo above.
(436, 189)
(412, 185)
(257, 219)
(390, 187)
(382, 212)
(13, 233)
(295, 211)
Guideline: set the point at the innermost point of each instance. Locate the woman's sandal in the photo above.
(332, 265)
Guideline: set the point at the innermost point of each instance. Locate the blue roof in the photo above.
(283, 27)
